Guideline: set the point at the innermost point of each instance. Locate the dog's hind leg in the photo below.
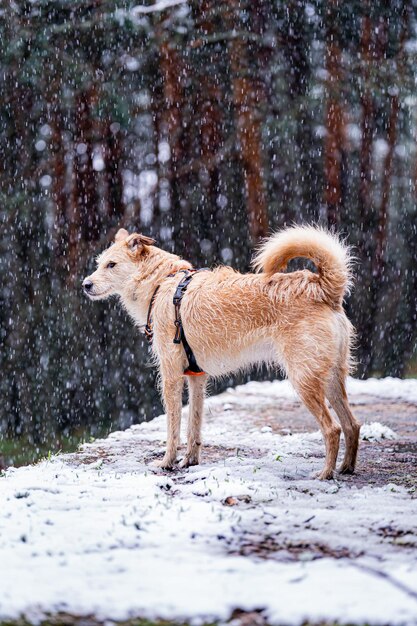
(311, 392)
(196, 387)
(172, 395)
(336, 394)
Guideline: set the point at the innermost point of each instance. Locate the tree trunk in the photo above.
(210, 119)
(59, 181)
(366, 243)
(246, 91)
(299, 71)
(367, 128)
(114, 174)
(171, 131)
(334, 139)
(84, 218)
(381, 235)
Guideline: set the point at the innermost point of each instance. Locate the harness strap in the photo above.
(193, 369)
(148, 330)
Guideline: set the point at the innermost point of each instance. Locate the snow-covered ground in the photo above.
(103, 532)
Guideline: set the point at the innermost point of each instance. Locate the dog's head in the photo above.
(116, 264)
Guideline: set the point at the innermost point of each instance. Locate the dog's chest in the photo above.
(135, 308)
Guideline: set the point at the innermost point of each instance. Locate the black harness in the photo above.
(193, 369)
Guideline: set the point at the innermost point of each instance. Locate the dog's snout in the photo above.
(88, 285)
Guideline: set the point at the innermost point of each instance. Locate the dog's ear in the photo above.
(137, 243)
(121, 234)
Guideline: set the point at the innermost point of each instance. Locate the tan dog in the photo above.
(293, 321)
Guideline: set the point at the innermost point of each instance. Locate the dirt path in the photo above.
(380, 462)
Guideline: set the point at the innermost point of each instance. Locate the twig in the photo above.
(158, 6)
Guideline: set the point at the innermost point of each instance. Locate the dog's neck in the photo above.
(141, 285)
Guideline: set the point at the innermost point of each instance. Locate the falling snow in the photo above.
(206, 126)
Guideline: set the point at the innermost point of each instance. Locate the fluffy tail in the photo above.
(330, 255)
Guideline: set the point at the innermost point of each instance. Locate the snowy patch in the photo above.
(359, 391)
(376, 432)
(387, 388)
(103, 532)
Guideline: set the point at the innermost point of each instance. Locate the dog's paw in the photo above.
(346, 468)
(165, 464)
(326, 474)
(189, 460)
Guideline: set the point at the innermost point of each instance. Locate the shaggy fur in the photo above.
(294, 321)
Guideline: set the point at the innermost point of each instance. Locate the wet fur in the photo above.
(294, 321)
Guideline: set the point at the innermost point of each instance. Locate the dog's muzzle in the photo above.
(88, 285)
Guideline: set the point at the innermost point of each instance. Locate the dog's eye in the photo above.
(110, 265)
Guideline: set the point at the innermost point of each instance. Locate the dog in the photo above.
(291, 320)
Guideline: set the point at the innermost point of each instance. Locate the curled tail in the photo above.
(330, 255)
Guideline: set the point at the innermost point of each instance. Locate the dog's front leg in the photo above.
(172, 397)
(196, 387)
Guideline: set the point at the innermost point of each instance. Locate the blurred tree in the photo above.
(247, 99)
(334, 154)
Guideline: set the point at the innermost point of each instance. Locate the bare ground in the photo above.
(379, 462)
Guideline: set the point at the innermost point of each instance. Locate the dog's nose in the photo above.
(88, 285)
